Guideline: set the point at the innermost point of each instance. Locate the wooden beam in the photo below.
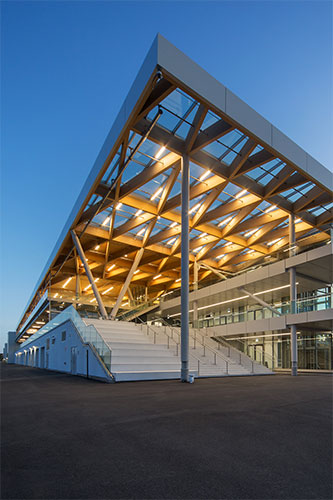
(194, 130)
(211, 134)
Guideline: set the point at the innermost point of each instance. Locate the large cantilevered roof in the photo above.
(246, 177)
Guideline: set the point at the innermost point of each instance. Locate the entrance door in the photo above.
(42, 357)
(74, 360)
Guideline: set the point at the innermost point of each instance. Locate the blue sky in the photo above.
(66, 67)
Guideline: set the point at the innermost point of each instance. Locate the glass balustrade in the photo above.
(89, 334)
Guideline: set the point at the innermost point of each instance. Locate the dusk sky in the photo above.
(66, 68)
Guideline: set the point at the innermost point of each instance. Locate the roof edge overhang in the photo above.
(183, 71)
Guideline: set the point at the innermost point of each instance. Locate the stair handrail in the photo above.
(263, 353)
(215, 353)
(199, 361)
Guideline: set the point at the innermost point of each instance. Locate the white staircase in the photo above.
(144, 352)
(134, 354)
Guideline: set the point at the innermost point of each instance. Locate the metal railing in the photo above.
(203, 344)
(169, 337)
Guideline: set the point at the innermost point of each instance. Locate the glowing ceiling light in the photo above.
(40, 322)
(249, 233)
(159, 191)
(250, 251)
(137, 271)
(111, 267)
(139, 233)
(225, 221)
(203, 235)
(92, 300)
(158, 276)
(204, 176)
(270, 243)
(193, 209)
(196, 250)
(97, 247)
(108, 290)
(55, 295)
(106, 221)
(170, 242)
(179, 279)
(228, 244)
(220, 256)
(298, 220)
(241, 193)
(174, 224)
(138, 212)
(66, 282)
(88, 286)
(160, 152)
(126, 304)
(269, 209)
(119, 205)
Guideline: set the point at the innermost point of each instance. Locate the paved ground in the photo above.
(235, 438)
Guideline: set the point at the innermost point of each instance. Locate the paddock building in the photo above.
(200, 245)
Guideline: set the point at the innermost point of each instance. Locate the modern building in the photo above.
(201, 244)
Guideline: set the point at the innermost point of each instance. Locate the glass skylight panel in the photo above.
(256, 150)
(209, 120)
(111, 171)
(178, 102)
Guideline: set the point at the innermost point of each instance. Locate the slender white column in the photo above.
(125, 286)
(293, 295)
(195, 287)
(90, 277)
(185, 281)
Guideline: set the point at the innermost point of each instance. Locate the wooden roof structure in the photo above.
(246, 177)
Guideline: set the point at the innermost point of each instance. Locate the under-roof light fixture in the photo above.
(270, 243)
(225, 221)
(249, 233)
(170, 242)
(97, 247)
(111, 267)
(220, 256)
(159, 191)
(251, 250)
(137, 271)
(193, 209)
(174, 224)
(241, 193)
(141, 232)
(108, 290)
(269, 209)
(196, 250)
(119, 205)
(66, 282)
(55, 295)
(228, 244)
(158, 276)
(298, 220)
(92, 300)
(138, 212)
(204, 176)
(105, 222)
(160, 152)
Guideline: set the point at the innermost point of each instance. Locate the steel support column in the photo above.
(293, 295)
(195, 287)
(90, 277)
(185, 281)
(125, 286)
